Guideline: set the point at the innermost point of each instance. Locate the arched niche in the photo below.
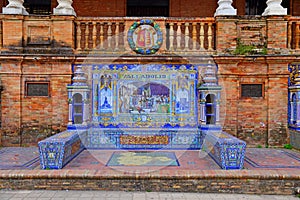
(294, 108)
(77, 107)
(210, 109)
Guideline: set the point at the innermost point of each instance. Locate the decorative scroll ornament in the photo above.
(145, 37)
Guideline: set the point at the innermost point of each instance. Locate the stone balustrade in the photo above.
(186, 35)
(109, 35)
(1, 34)
(100, 34)
(179, 35)
(294, 33)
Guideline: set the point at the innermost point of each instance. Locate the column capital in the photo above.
(64, 8)
(15, 7)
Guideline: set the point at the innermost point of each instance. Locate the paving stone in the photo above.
(191, 196)
(87, 194)
(138, 196)
(48, 194)
(165, 196)
(178, 196)
(72, 198)
(6, 195)
(113, 194)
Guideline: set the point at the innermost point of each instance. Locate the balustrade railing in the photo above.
(179, 34)
(1, 34)
(294, 33)
(100, 34)
(190, 35)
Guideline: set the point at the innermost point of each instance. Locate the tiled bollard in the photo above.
(227, 150)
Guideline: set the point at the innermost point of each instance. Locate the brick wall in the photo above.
(100, 8)
(11, 102)
(257, 120)
(45, 116)
(239, 5)
(200, 8)
(295, 7)
(276, 33)
(208, 181)
(226, 32)
(187, 8)
(27, 120)
(184, 8)
(3, 3)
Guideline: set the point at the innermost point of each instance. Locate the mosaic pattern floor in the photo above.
(19, 158)
(271, 158)
(143, 158)
(188, 160)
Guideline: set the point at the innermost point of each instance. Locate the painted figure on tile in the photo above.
(147, 98)
(105, 94)
(124, 94)
(182, 96)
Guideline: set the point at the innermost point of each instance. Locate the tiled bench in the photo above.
(58, 150)
(227, 150)
(137, 139)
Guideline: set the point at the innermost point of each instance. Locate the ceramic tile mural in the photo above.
(155, 95)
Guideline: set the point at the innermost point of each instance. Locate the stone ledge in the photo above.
(162, 174)
(244, 182)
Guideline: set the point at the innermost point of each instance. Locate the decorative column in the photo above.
(294, 105)
(274, 8)
(79, 87)
(210, 87)
(225, 8)
(294, 96)
(15, 7)
(64, 8)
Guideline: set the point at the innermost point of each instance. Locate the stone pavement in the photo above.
(266, 171)
(13, 158)
(114, 195)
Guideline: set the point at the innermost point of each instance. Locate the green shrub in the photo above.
(242, 49)
(287, 146)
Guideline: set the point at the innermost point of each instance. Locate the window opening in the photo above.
(141, 8)
(38, 7)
